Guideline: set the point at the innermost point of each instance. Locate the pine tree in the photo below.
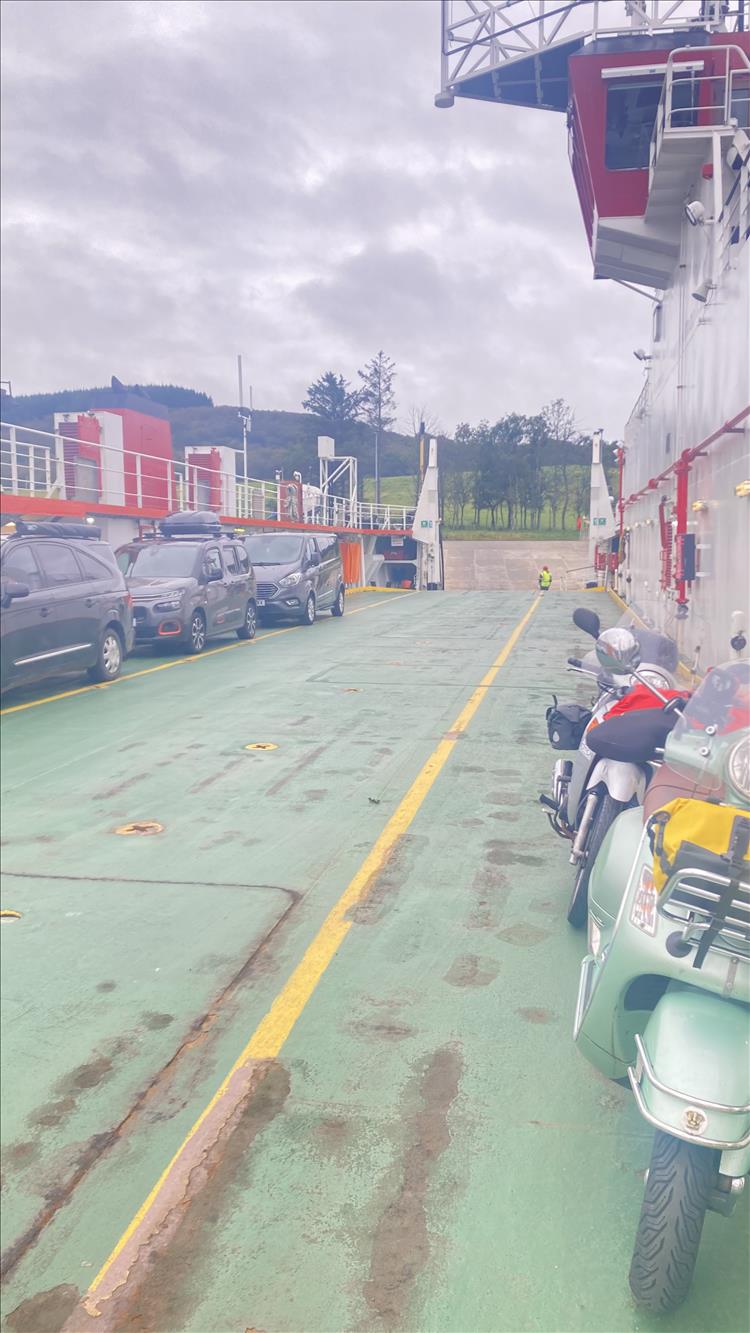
(331, 398)
(378, 403)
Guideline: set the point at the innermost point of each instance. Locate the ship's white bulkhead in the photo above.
(697, 387)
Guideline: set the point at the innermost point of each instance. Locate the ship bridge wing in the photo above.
(517, 51)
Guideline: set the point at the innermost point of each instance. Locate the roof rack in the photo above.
(185, 524)
(53, 528)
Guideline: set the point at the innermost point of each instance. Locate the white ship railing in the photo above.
(35, 463)
(734, 219)
(696, 104)
(479, 36)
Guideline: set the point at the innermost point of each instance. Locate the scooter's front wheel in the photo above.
(605, 815)
(680, 1180)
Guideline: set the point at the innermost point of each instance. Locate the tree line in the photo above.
(27, 407)
(518, 470)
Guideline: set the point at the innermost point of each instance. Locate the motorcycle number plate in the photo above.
(261, 601)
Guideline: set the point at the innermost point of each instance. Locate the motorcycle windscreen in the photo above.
(714, 728)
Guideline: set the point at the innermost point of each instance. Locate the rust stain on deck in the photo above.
(148, 1286)
(296, 769)
(157, 1090)
(44, 1313)
(401, 1244)
(469, 970)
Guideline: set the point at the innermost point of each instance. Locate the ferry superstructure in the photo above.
(657, 99)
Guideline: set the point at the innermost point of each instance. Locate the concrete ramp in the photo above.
(495, 566)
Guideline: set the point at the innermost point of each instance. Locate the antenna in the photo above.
(244, 415)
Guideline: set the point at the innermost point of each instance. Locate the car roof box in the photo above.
(185, 524)
(50, 528)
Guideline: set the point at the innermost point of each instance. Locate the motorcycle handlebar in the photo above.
(575, 662)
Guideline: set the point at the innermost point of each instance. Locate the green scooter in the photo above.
(664, 992)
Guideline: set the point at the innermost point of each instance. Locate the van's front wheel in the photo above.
(308, 615)
(678, 1188)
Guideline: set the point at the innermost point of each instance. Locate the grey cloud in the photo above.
(186, 180)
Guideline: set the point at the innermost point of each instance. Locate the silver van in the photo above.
(298, 575)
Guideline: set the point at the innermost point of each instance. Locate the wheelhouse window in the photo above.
(631, 115)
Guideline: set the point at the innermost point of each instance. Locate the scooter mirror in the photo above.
(617, 651)
(588, 621)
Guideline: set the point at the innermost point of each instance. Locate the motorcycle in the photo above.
(589, 792)
(664, 991)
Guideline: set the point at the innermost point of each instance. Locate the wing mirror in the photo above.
(314, 559)
(588, 621)
(12, 589)
(617, 651)
(213, 576)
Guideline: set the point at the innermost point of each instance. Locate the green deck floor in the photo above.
(429, 1152)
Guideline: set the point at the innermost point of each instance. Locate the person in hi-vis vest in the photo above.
(545, 579)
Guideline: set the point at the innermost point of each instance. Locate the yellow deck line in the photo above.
(369, 587)
(272, 1031)
(175, 662)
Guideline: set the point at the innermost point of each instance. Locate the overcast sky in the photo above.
(183, 181)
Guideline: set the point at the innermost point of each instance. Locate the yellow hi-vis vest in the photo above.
(545, 579)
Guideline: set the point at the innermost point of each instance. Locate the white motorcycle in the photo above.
(588, 793)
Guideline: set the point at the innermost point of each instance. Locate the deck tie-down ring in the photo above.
(145, 827)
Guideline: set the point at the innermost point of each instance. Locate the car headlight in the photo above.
(289, 580)
(171, 604)
(738, 767)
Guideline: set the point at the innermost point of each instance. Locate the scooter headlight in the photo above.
(595, 937)
(643, 910)
(738, 767)
(655, 679)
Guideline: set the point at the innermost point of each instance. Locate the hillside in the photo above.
(286, 440)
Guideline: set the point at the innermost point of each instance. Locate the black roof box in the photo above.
(185, 524)
(50, 528)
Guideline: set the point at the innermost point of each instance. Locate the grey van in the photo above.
(298, 575)
(191, 583)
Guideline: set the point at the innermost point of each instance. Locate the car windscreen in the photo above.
(167, 560)
(274, 549)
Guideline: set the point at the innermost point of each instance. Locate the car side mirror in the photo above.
(314, 560)
(213, 575)
(12, 590)
(588, 621)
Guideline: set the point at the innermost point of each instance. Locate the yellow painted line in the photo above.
(273, 1030)
(366, 587)
(683, 669)
(167, 666)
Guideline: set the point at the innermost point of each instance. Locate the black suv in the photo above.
(192, 582)
(65, 604)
